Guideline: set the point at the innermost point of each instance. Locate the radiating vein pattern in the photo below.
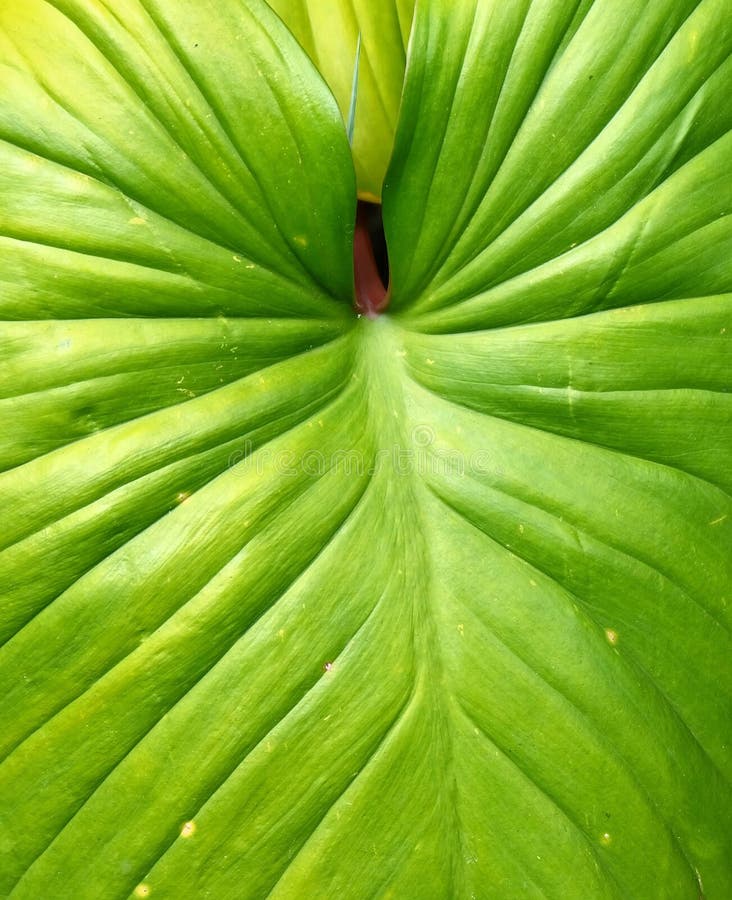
(622, 138)
(80, 181)
(298, 604)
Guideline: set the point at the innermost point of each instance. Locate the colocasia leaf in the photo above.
(305, 594)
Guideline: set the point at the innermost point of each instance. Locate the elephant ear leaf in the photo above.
(298, 603)
(332, 31)
(557, 212)
(176, 232)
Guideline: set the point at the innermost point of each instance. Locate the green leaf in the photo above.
(544, 129)
(165, 147)
(329, 31)
(296, 603)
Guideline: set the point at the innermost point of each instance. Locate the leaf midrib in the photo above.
(382, 362)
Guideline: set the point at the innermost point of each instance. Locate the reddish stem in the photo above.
(372, 297)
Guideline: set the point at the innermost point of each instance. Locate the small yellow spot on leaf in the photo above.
(461, 629)
(605, 839)
(301, 240)
(136, 220)
(612, 636)
(188, 829)
(430, 362)
(142, 890)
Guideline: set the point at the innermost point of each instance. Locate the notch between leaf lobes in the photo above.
(372, 289)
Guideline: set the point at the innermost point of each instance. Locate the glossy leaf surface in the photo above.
(300, 604)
